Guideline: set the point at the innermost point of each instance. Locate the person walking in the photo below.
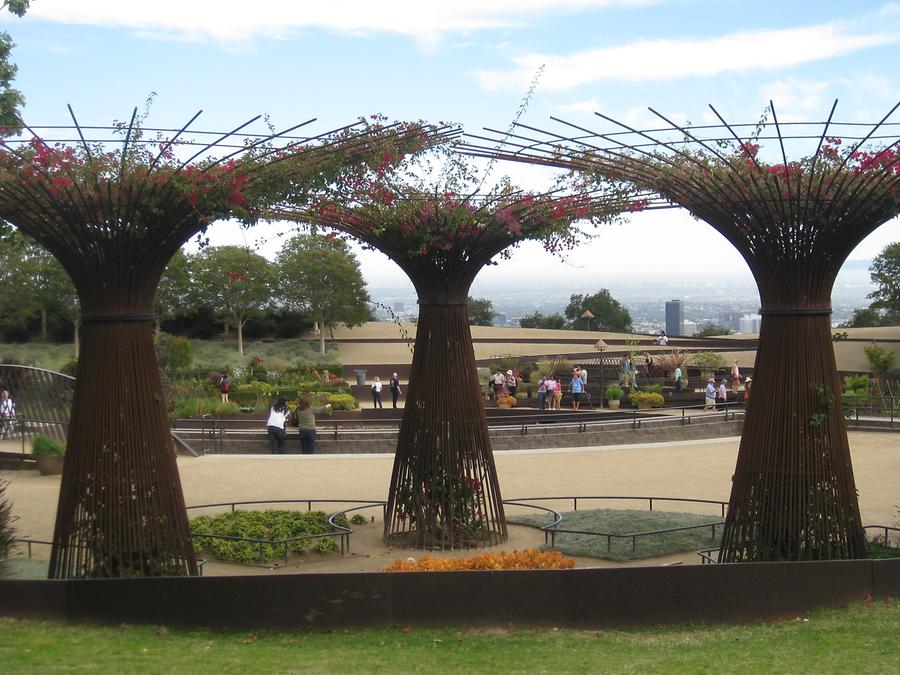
(305, 417)
(677, 379)
(735, 377)
(710, 401)
(394, 385)
(577, 389)
(278, 416)
(623, 371)
(376, 393)
(723, 391)
(648, 362)
(631, 371)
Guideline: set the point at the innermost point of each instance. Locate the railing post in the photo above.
(651, 503)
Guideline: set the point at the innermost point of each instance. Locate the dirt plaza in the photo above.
(690, 469)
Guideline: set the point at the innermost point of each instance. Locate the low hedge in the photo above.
(267, 525)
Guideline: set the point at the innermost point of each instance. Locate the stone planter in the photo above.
(614, 405)
(50, 466)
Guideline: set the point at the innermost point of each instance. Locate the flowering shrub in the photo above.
(455, 500)
(529, 559)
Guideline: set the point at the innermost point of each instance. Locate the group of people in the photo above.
(303, 417)
(504, 384)
(718, 395)
(393, 385)
(550, 390)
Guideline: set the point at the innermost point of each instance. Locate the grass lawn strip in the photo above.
(859, 638)
(627, 521)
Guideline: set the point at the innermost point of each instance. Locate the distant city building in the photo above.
(399, 306)
(688, 327)
(674, 317)
(729, 319)
(500, 320)
(750, 323)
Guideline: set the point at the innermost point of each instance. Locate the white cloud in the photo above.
(232, 21)
(805, 100)
(667, 59)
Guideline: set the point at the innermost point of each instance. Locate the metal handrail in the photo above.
(27, 540)
(343, 533)
(707, 558)
(553, 528)
(213, 428)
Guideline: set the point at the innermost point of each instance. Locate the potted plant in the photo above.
(614, 395)
(645, 400)
(506, 401)
(49, 455)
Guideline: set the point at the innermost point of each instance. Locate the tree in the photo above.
(49, 287)
(609, 314)
(10, 99)
(235, 282)
(881, 361)
(15, 307)
(320, 276)
(538, 320)
(863, 318)
(174, 292)
(885, 273)
(481, 312)
(711, 330)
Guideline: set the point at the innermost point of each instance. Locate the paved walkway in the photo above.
(683, 469)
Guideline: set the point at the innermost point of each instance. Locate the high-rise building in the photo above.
(688, 328)
(750, 323)
(674, 317)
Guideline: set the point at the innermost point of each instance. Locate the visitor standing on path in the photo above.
(376, 393)
(648, 361)
(305, 417)
(710, 402)
(632, 373)
(224, 388)
(723, 391)
(677, 379)
(7, 414)
(278, 416)
(552, 385)
(577, 389)
(394, 384)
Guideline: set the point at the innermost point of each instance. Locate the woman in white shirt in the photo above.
(278, 416)
(376, 393)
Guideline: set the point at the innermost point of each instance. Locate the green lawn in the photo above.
(627, 521)
(854, 639)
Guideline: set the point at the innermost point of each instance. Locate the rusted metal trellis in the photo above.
(113, 205)
(794, 222)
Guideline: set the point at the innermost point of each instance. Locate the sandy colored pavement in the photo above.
(700, 469)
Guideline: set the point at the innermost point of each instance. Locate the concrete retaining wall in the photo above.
(538, 436)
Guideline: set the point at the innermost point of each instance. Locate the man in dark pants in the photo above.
(395, 389)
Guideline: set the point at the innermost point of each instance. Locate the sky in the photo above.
(472, 63)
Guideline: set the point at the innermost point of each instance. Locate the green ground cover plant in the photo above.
(627, 521)
(266, 525)
(858, 638)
